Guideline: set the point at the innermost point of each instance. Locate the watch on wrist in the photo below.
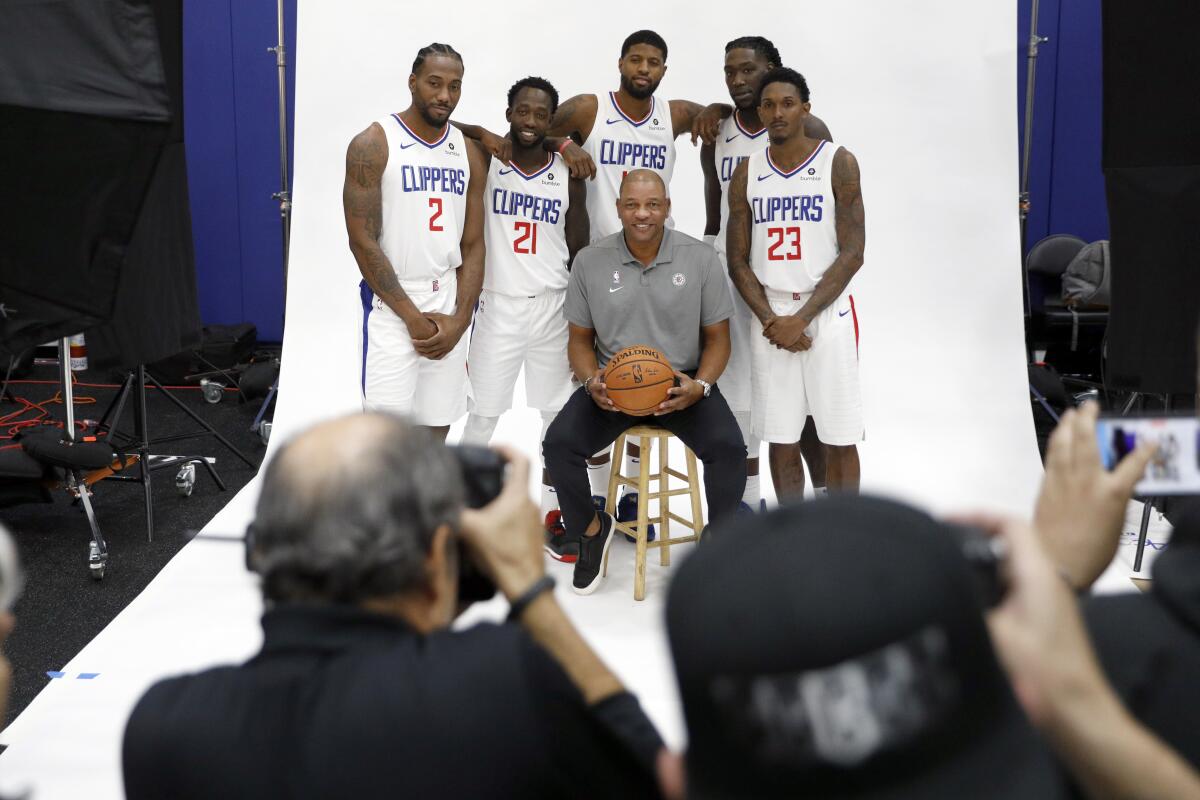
(707, 386)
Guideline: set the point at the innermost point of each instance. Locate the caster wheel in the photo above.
(213, 391)
(185, 480)
(96, 561)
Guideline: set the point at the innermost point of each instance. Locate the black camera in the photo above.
(483, 478)
(986, 554)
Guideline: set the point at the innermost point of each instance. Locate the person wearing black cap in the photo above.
(879, 678)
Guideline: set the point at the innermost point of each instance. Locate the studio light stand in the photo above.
(283, 195)
(1035, 42)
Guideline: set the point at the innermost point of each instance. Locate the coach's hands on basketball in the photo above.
(447, 331)
(787, 332)
(687, 393)
(599, 392)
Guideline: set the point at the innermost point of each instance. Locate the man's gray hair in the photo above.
(355, 521)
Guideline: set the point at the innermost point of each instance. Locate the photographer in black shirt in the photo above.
(361, 689)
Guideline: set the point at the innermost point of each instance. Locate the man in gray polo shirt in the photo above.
(653, 286)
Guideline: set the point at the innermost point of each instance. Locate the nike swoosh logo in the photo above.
(763, 177)
(843, 313)
(619, 288)
(406, 146)
(615, 121)
(505, 171)
(731, 138)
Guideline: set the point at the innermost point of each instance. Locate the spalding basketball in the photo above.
(638, 378)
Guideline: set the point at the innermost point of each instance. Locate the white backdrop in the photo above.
(924, 94)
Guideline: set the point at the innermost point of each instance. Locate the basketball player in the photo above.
(747, 60)
(413, 201)
(536, 220)
(795, 239)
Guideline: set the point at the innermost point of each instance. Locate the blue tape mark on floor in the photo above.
(87, 676)
(56, 674)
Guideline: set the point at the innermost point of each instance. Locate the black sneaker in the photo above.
(592, 550)
(557, 545)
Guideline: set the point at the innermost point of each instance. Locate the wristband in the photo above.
(542, 584)
(563, 146)
(710, 239)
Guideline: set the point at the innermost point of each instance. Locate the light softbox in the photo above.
(93, 190)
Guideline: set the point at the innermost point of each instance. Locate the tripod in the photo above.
(139, 441)
(283, 195)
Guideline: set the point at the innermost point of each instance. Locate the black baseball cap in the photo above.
(837, 648)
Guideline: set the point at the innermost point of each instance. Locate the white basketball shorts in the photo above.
(511, 332)
(394, 377)
(821, 381)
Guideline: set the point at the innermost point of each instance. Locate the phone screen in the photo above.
(1175, 467)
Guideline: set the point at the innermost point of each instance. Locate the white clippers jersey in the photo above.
(424, 201)
(525, 228)
(734, 145)
(619, 144)
(794, 235)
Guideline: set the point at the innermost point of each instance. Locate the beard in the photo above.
(427, 115)
(633, 91)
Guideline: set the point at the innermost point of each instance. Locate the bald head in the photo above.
(349, 508)
(643, 176)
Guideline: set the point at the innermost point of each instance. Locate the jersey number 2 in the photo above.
(436, 204)
(528, 238)
(777, 237)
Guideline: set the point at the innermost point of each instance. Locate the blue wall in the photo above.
(232, 134)
(233, 153)
(1066, 184)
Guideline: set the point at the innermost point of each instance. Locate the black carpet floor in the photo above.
(62, 607)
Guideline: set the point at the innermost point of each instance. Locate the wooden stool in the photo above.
(638, 530)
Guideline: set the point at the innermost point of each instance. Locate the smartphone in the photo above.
(1175, 467)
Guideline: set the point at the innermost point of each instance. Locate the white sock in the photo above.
(598, 477)
(752, 495)
(479, 430)
(633, 468)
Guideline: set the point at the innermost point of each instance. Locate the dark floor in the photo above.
(62, 608)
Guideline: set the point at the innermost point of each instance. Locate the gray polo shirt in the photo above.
(663, 305)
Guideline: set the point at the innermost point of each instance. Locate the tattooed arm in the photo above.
(788, 332)
(362, 201)
(737, 247)
(574, 121)
(702, 122)
(851, 236)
